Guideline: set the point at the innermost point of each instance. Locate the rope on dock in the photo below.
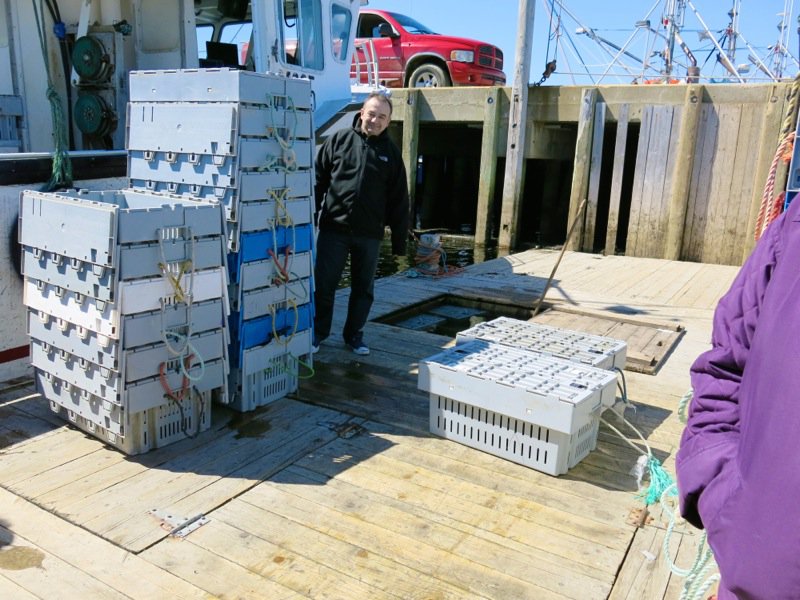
(771, 207)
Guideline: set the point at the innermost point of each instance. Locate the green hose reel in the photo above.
(90, 60)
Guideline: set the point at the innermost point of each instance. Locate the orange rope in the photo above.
(771, 207)
(175, 396)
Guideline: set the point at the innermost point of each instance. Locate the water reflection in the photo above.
(457, 250)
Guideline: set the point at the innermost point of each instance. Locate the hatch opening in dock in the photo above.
(448, 314)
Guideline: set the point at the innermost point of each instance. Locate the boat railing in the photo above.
(365, 63)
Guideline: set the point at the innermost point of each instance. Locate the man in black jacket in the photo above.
(360, 189)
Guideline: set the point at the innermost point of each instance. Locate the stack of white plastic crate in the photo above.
(528, 393)
(245, 140)
(127, 302)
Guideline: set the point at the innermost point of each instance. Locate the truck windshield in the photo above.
(411, 26)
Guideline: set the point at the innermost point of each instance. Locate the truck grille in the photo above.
(490, 56)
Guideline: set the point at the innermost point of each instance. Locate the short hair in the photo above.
(381, 95)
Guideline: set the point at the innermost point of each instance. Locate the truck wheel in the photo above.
(429, 75)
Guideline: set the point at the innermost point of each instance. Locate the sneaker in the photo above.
(357, 345)
(315, 342)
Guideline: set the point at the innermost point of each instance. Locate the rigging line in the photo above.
(759, 63)
(721, 53)
(571, 41)
(550, 33)
(629, 41)
(601, 42)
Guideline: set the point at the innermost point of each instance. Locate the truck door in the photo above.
(388, 50)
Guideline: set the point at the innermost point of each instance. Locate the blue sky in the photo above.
(614, 20)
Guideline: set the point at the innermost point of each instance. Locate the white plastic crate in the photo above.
(137, 296)
(210, 128)
(219, 171)
(547, 450)
(487, 382)
(217, 85)
(264, 301)
(269, 372)
(135, 262)
(90, 226)
(92, 382)
(256, 274)
(252, 186)
(585, 348)
(150, 429)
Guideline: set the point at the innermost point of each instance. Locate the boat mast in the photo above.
(672, 21)
(779, 53)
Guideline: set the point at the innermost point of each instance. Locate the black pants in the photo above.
(332, 251)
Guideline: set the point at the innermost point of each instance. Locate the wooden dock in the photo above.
(339, 491)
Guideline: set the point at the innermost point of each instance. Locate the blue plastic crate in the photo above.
(256, 332)
(257, 246)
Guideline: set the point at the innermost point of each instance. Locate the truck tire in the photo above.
(429, 75)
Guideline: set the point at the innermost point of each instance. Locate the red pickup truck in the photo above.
(408, 54)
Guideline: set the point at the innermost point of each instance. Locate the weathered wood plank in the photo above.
(40, 572)
(9, 589)
(85, 562)
(595, 170)
(488, 166)
(735, 230)
(620, 147)
(390, 578)
(398, 539)
(214, 573)
(580, 174)
(721, 176)
(259, 555)
(702, 175)
(538, 526)
(682, 171)
(775, 104)
(639, 189)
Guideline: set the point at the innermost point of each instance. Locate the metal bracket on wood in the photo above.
(178, 526)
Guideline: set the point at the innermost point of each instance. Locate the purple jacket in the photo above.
(739, 462)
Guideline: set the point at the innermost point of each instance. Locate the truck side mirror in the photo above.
(385, 30)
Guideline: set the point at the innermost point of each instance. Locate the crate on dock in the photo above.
(150, 429)
(127, 294)
(217, 85)
(578, 346)
(530, 408)
(269, 372)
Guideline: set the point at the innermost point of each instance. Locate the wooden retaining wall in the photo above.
(702, 158)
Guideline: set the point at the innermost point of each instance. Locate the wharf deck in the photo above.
(339, 491)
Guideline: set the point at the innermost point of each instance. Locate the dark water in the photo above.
(457, 251)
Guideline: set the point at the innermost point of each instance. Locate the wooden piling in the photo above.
(583, 154)
(620, 148)
(411, 144)
(682, 173)
(488, 167)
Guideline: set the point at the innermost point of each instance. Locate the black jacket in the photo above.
(362, 183)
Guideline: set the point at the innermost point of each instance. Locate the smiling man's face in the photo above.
(375, 116)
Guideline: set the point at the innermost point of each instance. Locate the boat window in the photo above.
(237, 32)
(341, 21)
(302, 33)
(205, 33)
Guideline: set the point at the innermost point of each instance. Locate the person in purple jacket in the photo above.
(738, 465)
